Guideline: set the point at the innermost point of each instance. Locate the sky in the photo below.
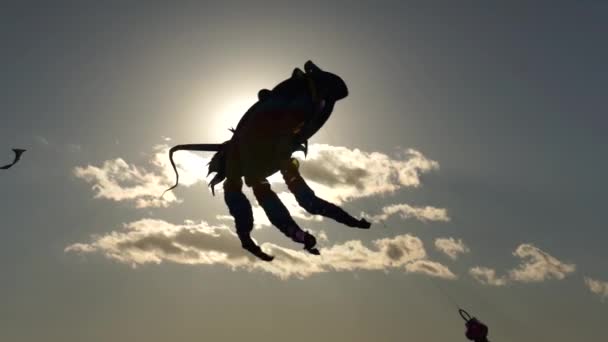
(472, 137)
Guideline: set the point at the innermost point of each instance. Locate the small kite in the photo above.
(476, 331)
(18, 153)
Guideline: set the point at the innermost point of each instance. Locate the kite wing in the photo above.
(18, 153)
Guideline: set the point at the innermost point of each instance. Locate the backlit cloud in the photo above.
(487, 276)
(451, 247)
(598, 287)
(119, 180)
(406, 211)
(337, 174)
(341, 174)
(198, 243)
(536, 266)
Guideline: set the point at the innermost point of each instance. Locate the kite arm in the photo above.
(307, 199)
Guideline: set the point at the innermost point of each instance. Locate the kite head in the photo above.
(325, 89)
(329, 87)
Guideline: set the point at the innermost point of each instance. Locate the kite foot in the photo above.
(313, 251)
(265, 257)
(309, 244)
(261, 255)
(254, 249)
(363, 224)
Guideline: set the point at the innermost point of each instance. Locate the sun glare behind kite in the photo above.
(228, 114)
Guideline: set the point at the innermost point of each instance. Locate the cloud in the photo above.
(41, 140)
(198, 243)
(118, 180)
(598, 287)
(341, 174)
(487, 276)
(536, 266)
(451, 247)
(406, 211)
(337, 174)
(322, 236)
(431, 268)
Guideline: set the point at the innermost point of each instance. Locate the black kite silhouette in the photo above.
(18, 153)
(275, 127)
(475, 330)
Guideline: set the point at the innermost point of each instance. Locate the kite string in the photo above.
(441, 290)
(450, 299)
(486, 303)
(435, 282)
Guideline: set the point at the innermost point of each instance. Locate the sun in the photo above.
(229, 111)
(233, 110)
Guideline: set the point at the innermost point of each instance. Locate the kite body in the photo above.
(18, 153)
(276, 126)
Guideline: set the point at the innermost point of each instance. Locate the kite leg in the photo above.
(240, 208)
(279, 216)
(310, 202)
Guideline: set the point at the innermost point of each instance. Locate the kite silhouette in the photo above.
(476, 331)
(277, 125)
(18, 153)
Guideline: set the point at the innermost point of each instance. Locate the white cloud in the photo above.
(451, 247)
(120, 181)
(340, 174)
(322, 236)
(431, 268)
(154, 241)
(336, 174)
(406, 211)
(598, 287)
(487, 276)
(536, 266)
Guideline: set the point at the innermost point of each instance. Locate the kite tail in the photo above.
(18, 152)
(189, 147)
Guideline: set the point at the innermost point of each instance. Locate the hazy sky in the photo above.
(476, 133)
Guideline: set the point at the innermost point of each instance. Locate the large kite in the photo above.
(275, 127)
